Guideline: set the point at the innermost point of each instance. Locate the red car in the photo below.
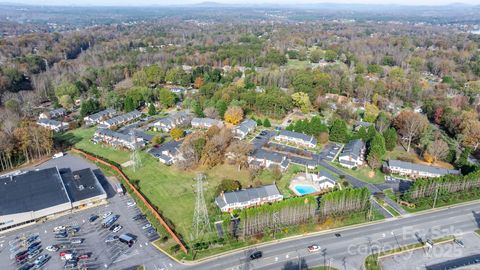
(84, 256)
(62, 253)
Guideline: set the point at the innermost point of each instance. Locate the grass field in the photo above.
(363, 173)
(171, 189)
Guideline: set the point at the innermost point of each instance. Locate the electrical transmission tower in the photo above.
(135, 156)
(201, 223)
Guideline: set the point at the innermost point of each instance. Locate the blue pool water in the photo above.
(305, 189)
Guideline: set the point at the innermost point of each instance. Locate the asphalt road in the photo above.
(349, 250)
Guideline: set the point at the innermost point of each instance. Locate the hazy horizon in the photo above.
(247, 2)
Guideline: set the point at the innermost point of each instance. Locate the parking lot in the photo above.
(434, 257)
(331, 151)
(92, 236)
(262, 138)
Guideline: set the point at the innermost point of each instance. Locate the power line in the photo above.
(201, 222)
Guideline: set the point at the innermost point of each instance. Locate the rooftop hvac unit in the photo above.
(76, 176)
(80, 187)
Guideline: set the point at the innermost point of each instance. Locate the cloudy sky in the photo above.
(170, 2)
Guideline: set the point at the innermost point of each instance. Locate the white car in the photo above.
(313, 248)
(58, 228)
(107, 214)
(146, 226)
(118, 228)
(132, 203)
(52, 248)
(76, 241)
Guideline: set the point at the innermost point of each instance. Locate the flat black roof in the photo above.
(32, 191)
(82, 184)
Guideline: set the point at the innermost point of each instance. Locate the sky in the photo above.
(177, 2)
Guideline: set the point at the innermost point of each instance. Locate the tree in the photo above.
(221, 107)
(157, 139)
(302, 101)
(198, 82)
(438, 149)
(234, 115)
(259, 122)
(151, 109)
(66, 101)
(376, 151)
(471, 134)
(88, 107)
(316, 55)
(66, 88)
(227, 185)
(410, 125)
(330, 55)
(211, 112)
(266, 123)
(176, 133)
(166, 97)
(322, 137)
(371, 113)
(339, 131)
(390, 136)
(128, 105)
(382, 122)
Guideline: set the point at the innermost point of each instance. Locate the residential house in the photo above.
(352, 154)
(179, 119)
(98, 117)
(242, 130)
(245, 198)
(206, 123)
(359, 124)
(121, 119)
(415, 170)
(296, 138)
(167, 153)
(262, 158)
(54, 125)
(118, 140)
(53, 114)
(325, 180)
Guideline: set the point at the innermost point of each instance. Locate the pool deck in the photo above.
(302, 180)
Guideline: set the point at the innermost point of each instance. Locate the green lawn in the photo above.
(363, 173)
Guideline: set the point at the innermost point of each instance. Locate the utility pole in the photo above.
(201, 222)
(435, 199)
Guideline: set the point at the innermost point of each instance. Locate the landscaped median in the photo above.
(372, 261)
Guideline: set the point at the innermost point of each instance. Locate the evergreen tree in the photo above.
(390, 136)
(371, 131)
(221, 107)
(362, 134)
(266, 123)
(315, 127)
(151, 109)
(128, 105)
(259, 122)
(376, 151)
(339, 131)
(197, 109)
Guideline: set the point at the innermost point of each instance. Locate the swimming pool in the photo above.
(305, 189)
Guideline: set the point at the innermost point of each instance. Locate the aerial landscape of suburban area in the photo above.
(240, 135)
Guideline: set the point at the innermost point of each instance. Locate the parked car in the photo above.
(84, 256)
(61, 235)
(26, 267)
(138, 217)
(132, 203)
(21, 255)
(33, 249)
(64, 252)
(111, 238)
(76, 241)
(58, 228)
(92, 218)
(107, 214)
(41, 260)
(34, 254)
(256, 255)
(53, 248)
(338, 235)
(71, 263)
(117, 228)
(146, 226)
(313, 248)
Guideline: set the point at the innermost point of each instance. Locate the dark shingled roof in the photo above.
(82, 184)
(32, 191)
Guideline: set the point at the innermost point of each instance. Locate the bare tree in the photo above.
(410, 125)
(438, 149)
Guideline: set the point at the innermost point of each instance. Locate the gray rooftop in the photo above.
(82, 184)
(32, 191)
(124, 117)
(99, 115)
(205, 121)
(49, 122)
(297, 135)
(353, 148)
(246, 195)
(420, 167)
(268, 155)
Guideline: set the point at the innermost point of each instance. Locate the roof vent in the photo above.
(76, 176)
(80, 187)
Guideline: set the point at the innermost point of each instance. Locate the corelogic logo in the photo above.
(408, 240)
